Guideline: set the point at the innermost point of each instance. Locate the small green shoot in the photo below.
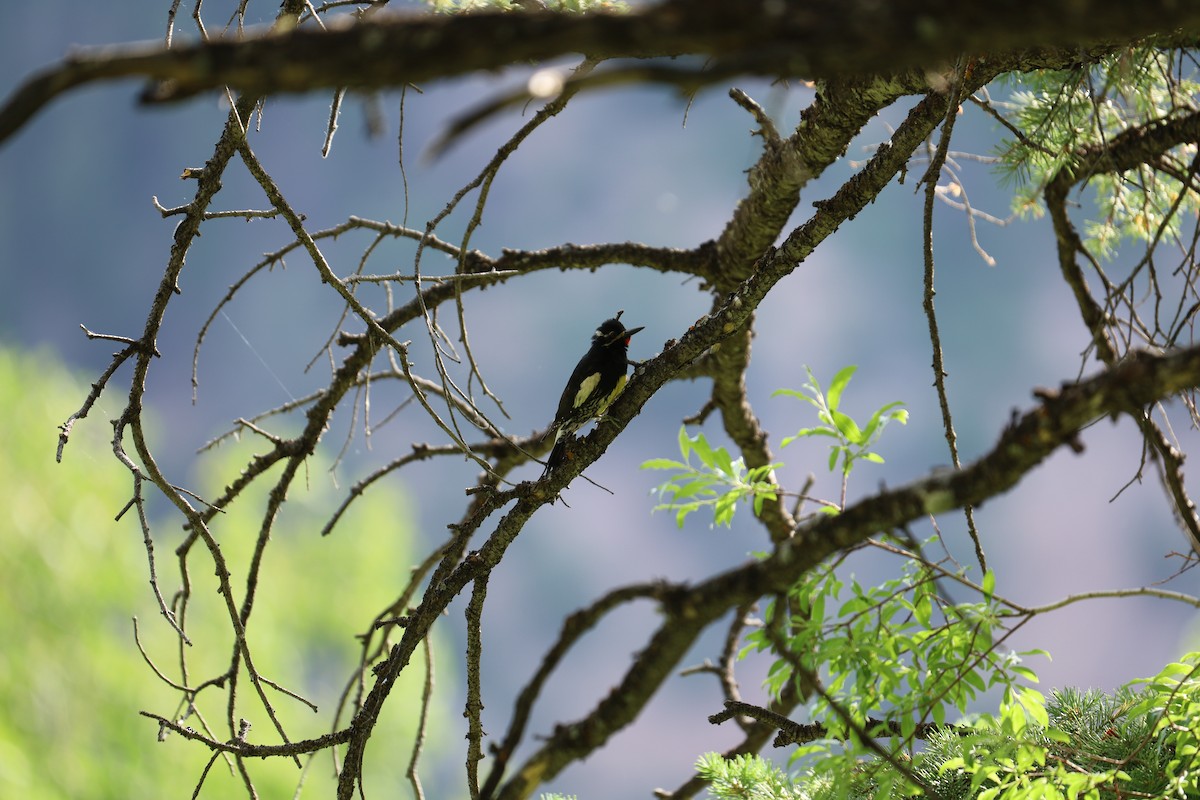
(853, 442)
(719, 481)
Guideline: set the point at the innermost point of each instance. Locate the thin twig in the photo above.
(474, 705)
(422, 722)
(939, 370)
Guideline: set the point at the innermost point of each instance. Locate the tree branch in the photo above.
(816, 39)
(791, 732)
(1130, 149)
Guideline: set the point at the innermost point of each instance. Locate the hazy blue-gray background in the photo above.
(80, 242)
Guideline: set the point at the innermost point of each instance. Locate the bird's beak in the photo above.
(632, 331)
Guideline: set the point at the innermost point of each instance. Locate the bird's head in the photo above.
(612, 332)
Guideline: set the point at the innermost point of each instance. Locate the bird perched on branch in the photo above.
(596, 381)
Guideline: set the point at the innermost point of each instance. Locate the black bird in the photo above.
(596, 381)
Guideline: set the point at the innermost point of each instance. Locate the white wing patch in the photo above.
(613, 395)
(586, 387)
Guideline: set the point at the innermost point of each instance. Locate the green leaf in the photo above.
(796, 394)
(989, 584)
(834, 396)
(1015, 719)
(685, 443)
(878, 419)
(923, 610)
(724, 509)
(682, 513)
(690, 488)
(759, 473)
(1035, 652)
(803, 433)
(663, 463)
(702, 449)
(950, 764)
(847, 427)
(724, 462)
(1024, 672)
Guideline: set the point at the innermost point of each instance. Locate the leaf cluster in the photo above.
(720, 481)
(1139, 741)
(852, 441)
(1060, 115)
(899, 651)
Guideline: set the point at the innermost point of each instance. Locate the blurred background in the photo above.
(82, 243)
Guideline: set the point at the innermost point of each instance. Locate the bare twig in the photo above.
(474, 693)
(939, 370)
(422, 721)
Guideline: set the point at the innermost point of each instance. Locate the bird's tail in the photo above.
(558, 452)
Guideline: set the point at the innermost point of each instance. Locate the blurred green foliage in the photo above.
(1064, 112)
(72, 578)
(1092, 745)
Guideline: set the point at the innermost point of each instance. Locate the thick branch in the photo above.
(786, 166)
(742, 424)
(818, 38)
